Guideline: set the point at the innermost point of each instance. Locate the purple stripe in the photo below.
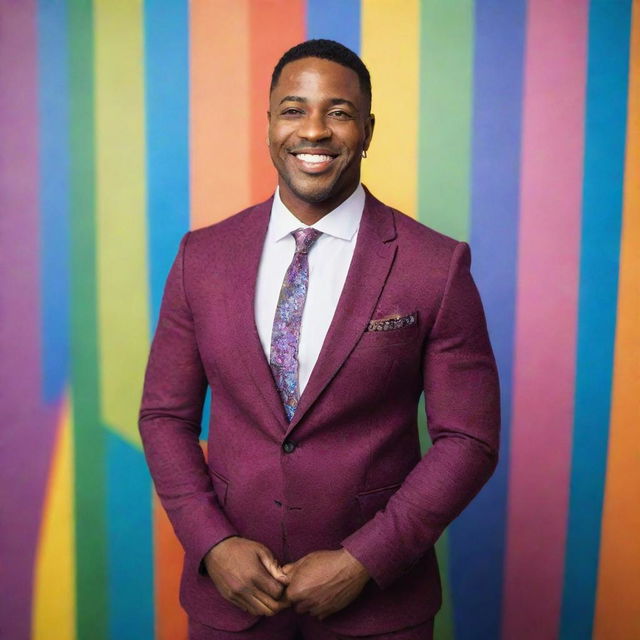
(28, 429)
(495, 184)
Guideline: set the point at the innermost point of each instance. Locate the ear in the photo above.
(369, 125)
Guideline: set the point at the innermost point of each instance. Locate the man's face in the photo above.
(319, 124)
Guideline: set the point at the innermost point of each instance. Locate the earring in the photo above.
(364, 153)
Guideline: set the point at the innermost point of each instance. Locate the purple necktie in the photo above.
(285, 335)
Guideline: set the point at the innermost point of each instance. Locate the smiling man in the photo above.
(318, 318)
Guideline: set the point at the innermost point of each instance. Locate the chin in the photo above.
(314, 197)
(313, 194)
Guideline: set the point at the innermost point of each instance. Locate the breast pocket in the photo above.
(405, 335)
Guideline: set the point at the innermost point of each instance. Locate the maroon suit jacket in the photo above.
(347, 470)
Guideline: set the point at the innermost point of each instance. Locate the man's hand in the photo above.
(324, 582)
(246, 573)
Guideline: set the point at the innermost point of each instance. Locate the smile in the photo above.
(313, 162)
(313, 158)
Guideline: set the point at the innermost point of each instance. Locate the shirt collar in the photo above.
(342, 222)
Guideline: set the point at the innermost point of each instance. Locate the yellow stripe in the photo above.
(618, 595)
(391, 32)
(123, 315)
(53, 613)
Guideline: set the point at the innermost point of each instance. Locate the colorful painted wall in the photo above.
(512, 124)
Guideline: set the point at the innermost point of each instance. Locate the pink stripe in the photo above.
(546, 311)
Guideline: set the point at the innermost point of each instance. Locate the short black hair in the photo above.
(327, 50)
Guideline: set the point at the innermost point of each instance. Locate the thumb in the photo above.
(272, 566)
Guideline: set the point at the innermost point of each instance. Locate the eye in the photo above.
(291, 111)
(340, 114)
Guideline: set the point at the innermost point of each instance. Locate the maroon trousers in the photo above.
(287, 625)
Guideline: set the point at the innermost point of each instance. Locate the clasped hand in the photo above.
(247, 574)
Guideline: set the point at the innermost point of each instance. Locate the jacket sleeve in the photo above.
(169, 422)
(463, 415)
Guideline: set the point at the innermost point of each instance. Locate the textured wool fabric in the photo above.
(285, 335)
(346, 471)
(287, 625)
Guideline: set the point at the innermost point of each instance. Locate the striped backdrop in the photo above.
(512, 124)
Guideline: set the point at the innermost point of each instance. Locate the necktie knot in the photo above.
(305, 238)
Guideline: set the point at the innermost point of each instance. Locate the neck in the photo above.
(310, 212)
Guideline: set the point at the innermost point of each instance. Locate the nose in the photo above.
(314, 127)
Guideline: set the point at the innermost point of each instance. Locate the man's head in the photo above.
(325, 50)
(319, 123)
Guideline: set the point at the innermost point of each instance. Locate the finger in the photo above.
(268, 585)
(239, 603)
(287, 569)
(252, 606)
(272, 566)
(303, 606)
(320, 612)
(263, 604)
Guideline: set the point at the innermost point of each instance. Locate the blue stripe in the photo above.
(476, 579)
(54, 196)
(167, 136)
(335, 19)
(130, 542)
(605, 132)
(206, 410)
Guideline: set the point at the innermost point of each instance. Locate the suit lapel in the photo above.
(370, 265)
(242, 272)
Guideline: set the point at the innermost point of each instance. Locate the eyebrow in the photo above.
(333, 101)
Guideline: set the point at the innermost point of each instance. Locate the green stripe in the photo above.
(444, 628)
(446, 73)
(120, 206)
(444, 162)
(89, 437)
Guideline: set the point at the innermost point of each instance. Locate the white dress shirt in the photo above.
(329, 260)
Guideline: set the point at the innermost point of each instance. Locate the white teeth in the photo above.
(309, 157)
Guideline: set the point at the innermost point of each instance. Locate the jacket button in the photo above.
(288, 446)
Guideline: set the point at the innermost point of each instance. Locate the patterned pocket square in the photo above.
(394, 322)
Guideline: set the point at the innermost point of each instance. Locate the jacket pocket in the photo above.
(220, 486)
(374, 500)
(405, 335)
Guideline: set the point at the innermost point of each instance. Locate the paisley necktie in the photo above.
(285, 335)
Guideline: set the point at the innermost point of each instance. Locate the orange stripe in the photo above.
(618, 596)
(219, 109)
(275, 26)
(171, 620)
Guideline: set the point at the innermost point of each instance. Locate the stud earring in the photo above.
(364, 153)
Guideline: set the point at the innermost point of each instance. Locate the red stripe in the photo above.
(275, 26)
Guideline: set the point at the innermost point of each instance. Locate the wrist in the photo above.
(355, 565)
(218, 547)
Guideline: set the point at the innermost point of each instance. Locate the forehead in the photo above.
(311, 76)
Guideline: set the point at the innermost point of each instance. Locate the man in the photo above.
(318, 318)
